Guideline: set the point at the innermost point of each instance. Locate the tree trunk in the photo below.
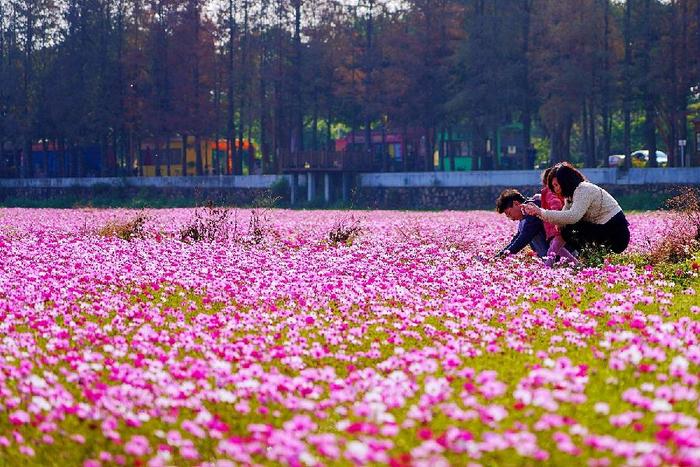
(26, 160)
(130, 156)
(156, 156)
(561, 141)
(45, 160)
(205, 157)
(68, 155)
(404, 142)
(673, 114)
(198, 93)
(527, 104)
(298, 111)
(384, 152)
(605, 110)
(264, 118)
(62, 158)
(168, 159)
(314, 122)
(198, 155)
(104, 157)
(442, 146)
(184, 155)
(250, 156)
(585, 136)
(243, 83)
(230, 118)
(367, 65)
(451, 153)
(683, 77)
(627, 99)
(139, 154)
(591, 132)
(329, 143)
(647, 94)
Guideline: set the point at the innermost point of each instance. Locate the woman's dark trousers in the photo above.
(614, 234)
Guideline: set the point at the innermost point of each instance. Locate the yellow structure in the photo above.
(216, 159)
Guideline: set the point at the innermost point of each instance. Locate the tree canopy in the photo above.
(589, 77)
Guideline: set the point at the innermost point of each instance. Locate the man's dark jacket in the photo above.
(530, 231)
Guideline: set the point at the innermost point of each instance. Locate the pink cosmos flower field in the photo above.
(405, 345)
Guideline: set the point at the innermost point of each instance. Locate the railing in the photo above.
(301, 161)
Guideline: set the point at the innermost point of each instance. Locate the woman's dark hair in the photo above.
(568, 178)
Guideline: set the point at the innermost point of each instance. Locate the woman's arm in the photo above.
(580, 203)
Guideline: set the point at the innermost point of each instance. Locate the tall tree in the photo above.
(34, 19)
(564, 37)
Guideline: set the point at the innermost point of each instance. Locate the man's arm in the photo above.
(506, 249)
(531, 226)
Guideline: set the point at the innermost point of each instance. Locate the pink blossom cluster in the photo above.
(410, 346)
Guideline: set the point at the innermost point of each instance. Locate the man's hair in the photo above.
(507, 198)
(568, 178)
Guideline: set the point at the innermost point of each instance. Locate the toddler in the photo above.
(551, 201)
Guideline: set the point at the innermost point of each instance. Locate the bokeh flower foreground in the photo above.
(405, 346)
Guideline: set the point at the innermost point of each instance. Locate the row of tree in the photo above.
(288, 74)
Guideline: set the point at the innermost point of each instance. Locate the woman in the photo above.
(591, 216)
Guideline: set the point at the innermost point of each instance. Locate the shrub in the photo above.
(344, 232)
(131, 229)
(682, 240)
(209, 224)
(280, 189)
(687, 205)
(259, 223)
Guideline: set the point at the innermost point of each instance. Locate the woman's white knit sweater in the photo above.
(589, 203)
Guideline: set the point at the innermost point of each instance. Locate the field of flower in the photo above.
(279, 343)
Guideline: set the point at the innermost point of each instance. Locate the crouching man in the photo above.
(530, 228)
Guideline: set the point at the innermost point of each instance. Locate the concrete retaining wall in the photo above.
(419, 190)
(235, 181)
(518, 178)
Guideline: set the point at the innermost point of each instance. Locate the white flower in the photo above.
(660, 405)
(41, 403)
(601, 408)
(357, 450)
(679, 363)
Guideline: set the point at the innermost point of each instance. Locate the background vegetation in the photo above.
(584, 78)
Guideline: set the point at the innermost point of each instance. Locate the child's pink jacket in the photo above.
(554, 203)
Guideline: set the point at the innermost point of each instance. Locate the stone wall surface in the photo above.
(465, 198)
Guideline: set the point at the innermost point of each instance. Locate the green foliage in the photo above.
(543, 147)
(642, 201)
(593, 255)
(280, 189)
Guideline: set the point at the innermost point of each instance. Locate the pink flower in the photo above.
(27, 451)
(137, 446)
(19, 417)
(189, 452)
